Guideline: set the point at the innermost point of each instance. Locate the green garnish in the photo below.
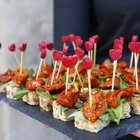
(21, 93)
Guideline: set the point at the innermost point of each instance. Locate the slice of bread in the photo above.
(62, 113)
(87, 125)
(32, 98)
(11, 91)
(45, 103)
(127, 110)
(135, 104)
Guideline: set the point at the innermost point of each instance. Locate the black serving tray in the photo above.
(111, 132)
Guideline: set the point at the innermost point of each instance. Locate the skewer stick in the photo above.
(114, 71)
(80, 79)
(21, 62)
(60, 66)
(44, 61)
(136, 72)
(131, 60)
(38, 72)
(94, 59)
(74, 46)
(137, 58)
(89, 54)
(74, 76)
(52, 58)
(89, 85)
(17, 60)
(67, 74)
(55, 64)
(76, 66)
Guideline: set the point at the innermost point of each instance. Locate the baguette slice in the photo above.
(135, 104)
(62, 113)
(3, 88)
(127, 110)
(84, 124)
(45, 103)
(11, 91)
(32, 98)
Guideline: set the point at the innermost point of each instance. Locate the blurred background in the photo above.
(27, 21)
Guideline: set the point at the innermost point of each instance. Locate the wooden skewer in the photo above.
(80, 79)
(76, 66)
(131, 60)
(74, 76)
(60, 66)
(53, 74)
(74, 46)
(21, 62)
(114, 71)
(67, 74)
(38, 72)
(137, 58)
(89, 85)
(94, 59)
(136, 72)
(17, 60)
(89, 54)
(44, 61)
(52, 58)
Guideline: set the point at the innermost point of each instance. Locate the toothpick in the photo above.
(52, 58)
(55, 64)
(74, 46)
(79, 79)
(94, 59)
(67, 74)
(21, 62)
(114, 71)
(136, 72)
(38, 72)
(89, 85)
(44, 61)
(74, 78)
(137, 58)
(77, 73)
(60, 66)
(89, 54)
(17, 60)
(131, 60)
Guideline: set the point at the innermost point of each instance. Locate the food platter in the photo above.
(77, 88)
(111, 132)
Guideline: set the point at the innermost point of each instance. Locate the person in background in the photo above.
(110, 19)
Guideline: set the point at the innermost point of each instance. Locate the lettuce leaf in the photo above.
(42, 93)
(64, 79)
(78, 113)
(21, 93)
(12, 84)
(46, 94)
(116, 114)
(123, 83)
(31, 74)
(44, 79)
(62, 108)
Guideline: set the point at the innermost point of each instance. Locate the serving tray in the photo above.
(111, 132)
